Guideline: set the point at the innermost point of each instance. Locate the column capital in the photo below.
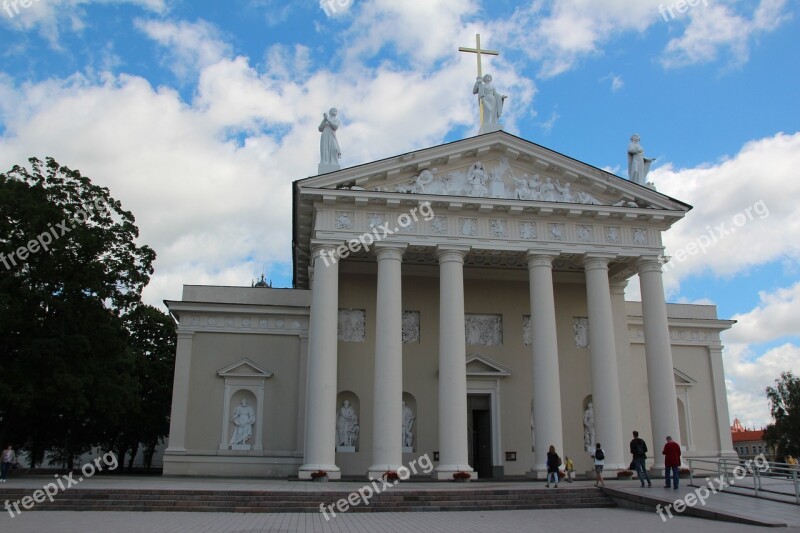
(648, 263)
(541, 258)
(184, 334)
(390, 250)
(597, 261)
(320, 245)
(447, 254)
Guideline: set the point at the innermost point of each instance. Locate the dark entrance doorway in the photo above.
(479, 422)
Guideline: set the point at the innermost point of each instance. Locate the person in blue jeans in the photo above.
(639, 452)
(553, 462)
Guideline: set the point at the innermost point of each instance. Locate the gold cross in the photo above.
(478, 51)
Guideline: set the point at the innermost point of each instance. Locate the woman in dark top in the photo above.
(553, 462)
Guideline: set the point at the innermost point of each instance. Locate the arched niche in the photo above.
(244, 380)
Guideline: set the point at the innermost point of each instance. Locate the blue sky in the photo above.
(199, 115)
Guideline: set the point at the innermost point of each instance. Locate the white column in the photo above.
(603, 350)
(387, 435)
(658, 354)
(322, 338)
(180, 394)
(546, 381)
(453, 456)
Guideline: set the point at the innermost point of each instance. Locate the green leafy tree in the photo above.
(784, 399)
(152, 338)
(70, 270)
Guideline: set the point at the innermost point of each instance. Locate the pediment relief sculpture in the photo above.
(496, 180)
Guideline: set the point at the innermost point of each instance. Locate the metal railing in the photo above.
(762, 477)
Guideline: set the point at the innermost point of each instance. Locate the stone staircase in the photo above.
(239, 501)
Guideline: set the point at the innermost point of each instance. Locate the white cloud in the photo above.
(50, 17)
(748, 376)
(719, 27)
(616, 81)
(547, 126)
(750, 372)
(775, 317)
(559, 33)
(421, 32)
(189, 46)
(744, 213)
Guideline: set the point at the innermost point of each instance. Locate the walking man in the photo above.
(672, 462)
(639, 451)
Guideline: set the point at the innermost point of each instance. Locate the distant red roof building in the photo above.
(750, 442)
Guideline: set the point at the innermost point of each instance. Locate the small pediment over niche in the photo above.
(683, 380)
(244, 368)
(478, 365)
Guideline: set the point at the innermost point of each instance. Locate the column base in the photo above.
(175, 451)
(377, 471)
(333, 471)
(445, 472)
(536, 473)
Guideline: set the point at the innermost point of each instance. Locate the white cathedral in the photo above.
(464, 301)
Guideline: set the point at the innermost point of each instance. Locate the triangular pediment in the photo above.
(244, 368)
(479, 365)
(682, 380)
(495, 166)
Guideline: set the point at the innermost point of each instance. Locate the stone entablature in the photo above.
(246, 323)
(264, 311)
(678, 335)
(698, 327)
(475, 228)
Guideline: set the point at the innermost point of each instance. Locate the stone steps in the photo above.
(299, 502)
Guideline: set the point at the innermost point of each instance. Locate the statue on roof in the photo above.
(638, 164)
(329, 152)
(491, 103)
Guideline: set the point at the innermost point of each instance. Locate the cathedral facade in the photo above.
(464, 302)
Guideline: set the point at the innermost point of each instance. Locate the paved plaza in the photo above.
(548, 521)
(555, 521)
